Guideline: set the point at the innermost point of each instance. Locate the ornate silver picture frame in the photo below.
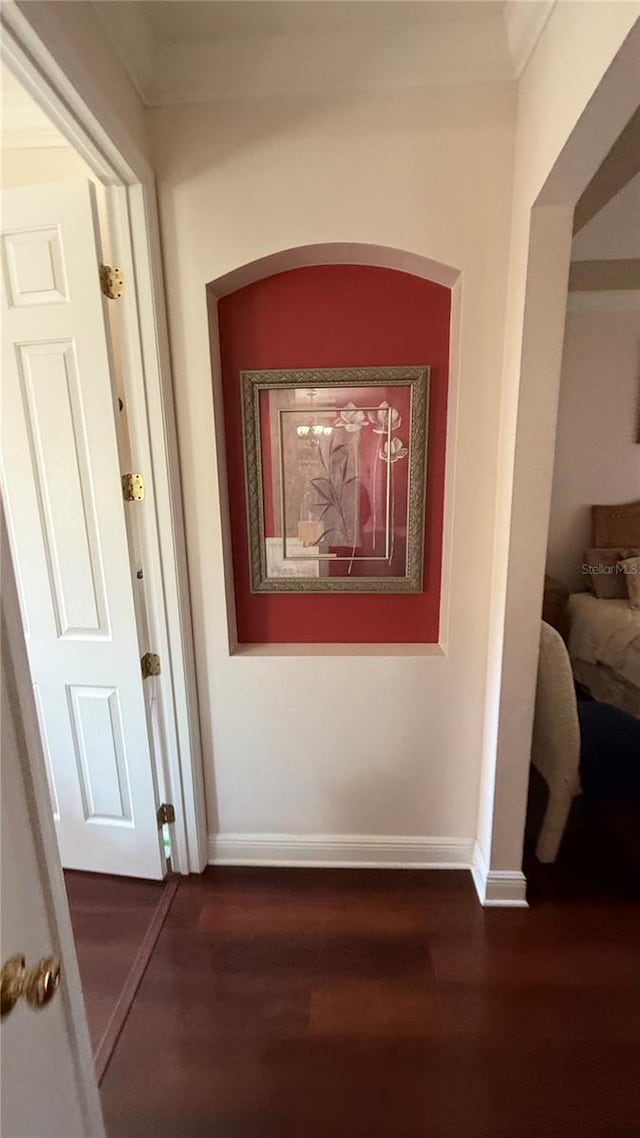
(335, 468)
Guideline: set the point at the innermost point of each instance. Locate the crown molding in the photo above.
(525, 21)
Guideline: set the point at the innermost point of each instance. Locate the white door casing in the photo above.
(61, 483)
(48, 1082)
(68, 97)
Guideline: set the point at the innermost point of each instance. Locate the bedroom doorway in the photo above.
(595, 513)
(543, 218)
(586, 818)
(594, 523)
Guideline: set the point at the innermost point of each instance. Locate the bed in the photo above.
(604, 630)
(604, 646)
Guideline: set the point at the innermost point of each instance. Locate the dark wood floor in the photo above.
(110, 916)
(364, 1004)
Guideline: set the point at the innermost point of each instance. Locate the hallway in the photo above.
(367, 1004)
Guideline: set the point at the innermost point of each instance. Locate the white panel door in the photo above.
(65, 512)
(48, 1085)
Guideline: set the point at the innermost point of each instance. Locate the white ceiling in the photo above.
(193, 50)
(171, 20)
(177, 50)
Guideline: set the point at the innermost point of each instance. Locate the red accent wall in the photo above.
(337, 316)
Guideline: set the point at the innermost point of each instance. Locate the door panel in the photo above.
(61, 472)
(48, 1082)
(99, 743)
(35, 266)
(61, 481)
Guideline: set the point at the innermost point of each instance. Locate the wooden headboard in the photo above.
(616, 527)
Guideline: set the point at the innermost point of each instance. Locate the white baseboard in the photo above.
(498, 888)
(347, 851)
(495, 888)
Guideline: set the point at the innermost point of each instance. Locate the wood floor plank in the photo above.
(110, 917)
(368, 1004)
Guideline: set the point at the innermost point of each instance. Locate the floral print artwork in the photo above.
(332, 486)
(379, 419)
(336, 483)
(351, 418)
(393, 451)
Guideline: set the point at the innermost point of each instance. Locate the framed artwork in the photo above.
(335, 464)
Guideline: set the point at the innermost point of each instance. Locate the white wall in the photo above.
(427, 171)
(562, 137)
(597, 448)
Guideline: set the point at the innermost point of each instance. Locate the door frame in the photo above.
(526, 459)
(135, 238)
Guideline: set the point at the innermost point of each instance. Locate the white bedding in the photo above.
(607, 633)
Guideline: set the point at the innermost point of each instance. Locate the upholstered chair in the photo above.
(556, 739)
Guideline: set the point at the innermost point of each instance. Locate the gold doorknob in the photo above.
(38, 984)
(42, 981)
(11, 983)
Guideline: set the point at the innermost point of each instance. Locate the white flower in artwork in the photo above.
(351, 418)
(381, 418)
(392, 451)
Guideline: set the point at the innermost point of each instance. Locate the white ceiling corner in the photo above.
(131, 34)
(525, 21)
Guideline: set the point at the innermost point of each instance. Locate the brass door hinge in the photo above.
(111, 282)
(166, 814)
(132, 487)
(150, 664)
